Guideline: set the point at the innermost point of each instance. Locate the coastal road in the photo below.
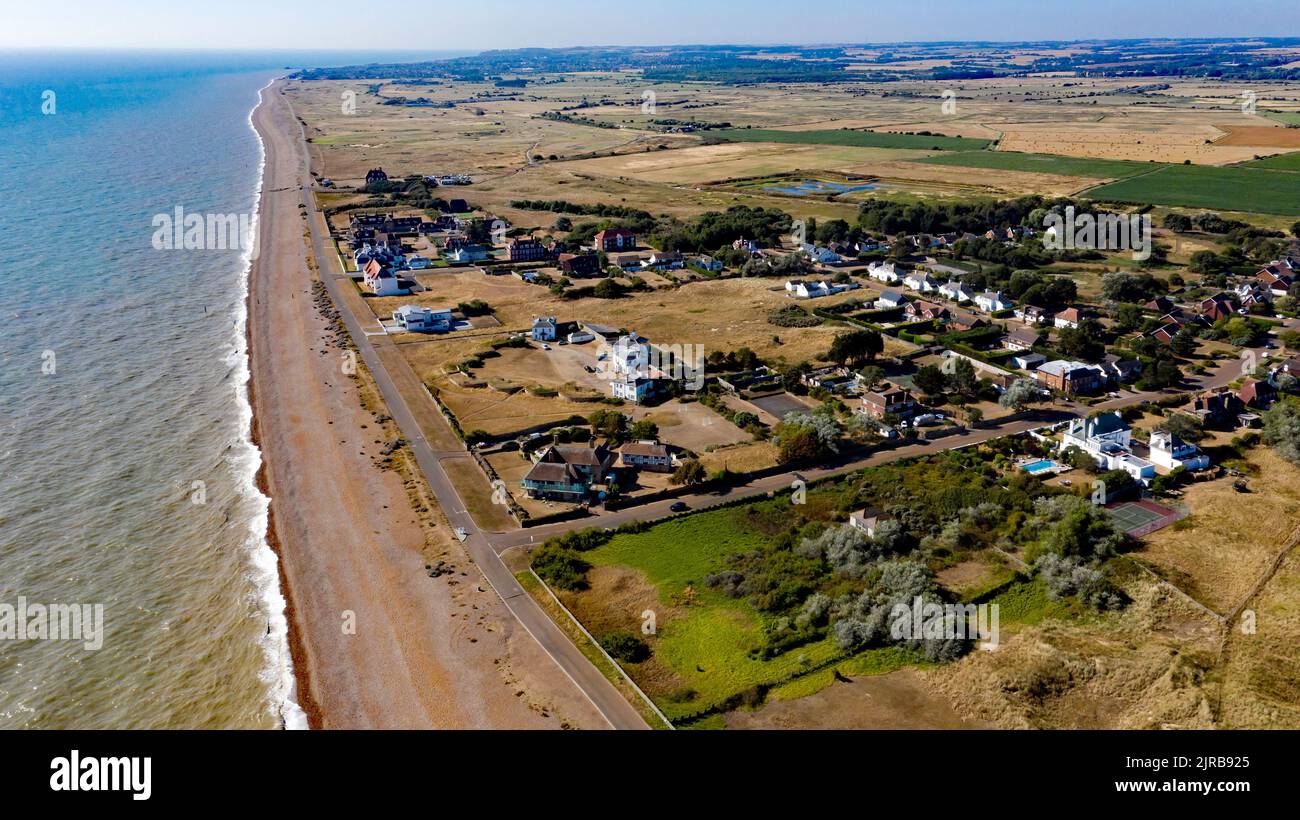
(611, 704)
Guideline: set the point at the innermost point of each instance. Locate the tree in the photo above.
(561, 567)
(961, 376)
(607, 289)
(1184, 341)
(856, 347)
(1021, 394)
(872, 376)
(1282, 430)
(744, 419)
(930, 380)
(689, 471)
(645, 429)
(563, 223)
(1128, 318)
(1082, 342)
(626, 647)
(974, 416)
(1183, 426)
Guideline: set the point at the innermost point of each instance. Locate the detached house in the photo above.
(615, 239)
(1070, 377)
(993, 301)
(566, 473)
(956, 291)
(884, 272)
(891, 299)
(545, 328)
(581, 265)
(423, 319)
(1171, 452)
(1021, 339)
(920, 282)
(380, 280)
(889, 400)
(1218, 307)
(921, 309)
(646, 455)
(1033, 315)
(526, 250)
(1107, 438)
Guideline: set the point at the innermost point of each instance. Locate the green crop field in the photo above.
(1286, 117)
(1251, 190)
(860, 139)
(1042, 163)
(1281, 162)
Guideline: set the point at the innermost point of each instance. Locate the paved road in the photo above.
(608, 700)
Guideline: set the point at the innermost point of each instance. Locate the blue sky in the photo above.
(435, 26)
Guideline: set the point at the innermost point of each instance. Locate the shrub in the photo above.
(625, 647)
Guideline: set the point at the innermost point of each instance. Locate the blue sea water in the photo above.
(125, 465)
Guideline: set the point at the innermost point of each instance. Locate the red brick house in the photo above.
(615, 239)
(890, 400)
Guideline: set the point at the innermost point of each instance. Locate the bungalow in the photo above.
(1171, 452)
(920, 310)
(581, 265)
(418, 319)
(889, 400)
(832, 379)
(891, 299)
(747, 245)
(1257, 394)
(993, 301)
(381, 280)
(884, 272)
(1070, 377)
(566, 473)
(1252, 293)
(468, 253)
(808, 290)
(646, 455)
(961, 321)
(1277, 276)
(615, 239)
(1218, 307)
(1071, 317)
(956, 291)
(661, 260)
(544, 328)
(626, 261)
(1033, 315)
(1021, 339)
(823, 256)
(866, 519)
(921, 282)
(1108, 439)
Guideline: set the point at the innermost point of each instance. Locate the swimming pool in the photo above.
(1040, 466)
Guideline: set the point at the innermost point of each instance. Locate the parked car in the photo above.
(678, 506)
(545, 346)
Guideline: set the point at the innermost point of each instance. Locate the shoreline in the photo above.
(414, 651)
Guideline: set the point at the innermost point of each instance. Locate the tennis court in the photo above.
(1139, 518)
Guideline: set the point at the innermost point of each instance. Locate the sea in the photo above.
(127, 494)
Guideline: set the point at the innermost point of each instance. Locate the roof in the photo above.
(1062, 367)
(1025, 335)
(585, 456)
(552, 472)
(644, 448)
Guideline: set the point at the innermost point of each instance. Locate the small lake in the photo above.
(817, 187)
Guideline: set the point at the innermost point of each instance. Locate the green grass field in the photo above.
(1250, 190)
(1042, 163)
(859, 139)
(1285, 117)
(1281, 162)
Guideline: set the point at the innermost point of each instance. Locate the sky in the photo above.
(439, 26)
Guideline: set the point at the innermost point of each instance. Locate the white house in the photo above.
(866, 520)
(423, 319)
(814, 289)
(1107, 438)
(544, 328)
(825, 256)
(631, 388)
(993, 301)
(1171, 452)
(891, 299)
(708, 263)
(884, 272)
(381, 280)
(1032, 314)
(417, 262)
(1028, 360)
(956, 291)
(468, 253)
(921, 282)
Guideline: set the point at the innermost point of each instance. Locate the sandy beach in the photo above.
(426, 652)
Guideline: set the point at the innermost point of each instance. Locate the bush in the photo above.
(625, 647)
(561, 567)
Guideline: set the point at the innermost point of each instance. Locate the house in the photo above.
(866, 519)
(1217, 308)
(884, 272)
(707, 263)
(1277, 276)
(891, 299)
(822, 256)
(1160, 304)
(381, 280)
(417, 262)
(889, 400)
(581, 265)
(920, 310)
(1069, 377)
(418, 319)
(1215, 408)
(467, 253)
(633, 377)
(956, 291)
(832, 379)
(646, 455)
(626, 262)
(1071, 317)
(1252, 293)
(376, 175)
(993, 301)
(544, 328)
(1120, 370)
(615, 239)
(1291, 366)
(961, 321)
(921, 282)
(526, 249)
(1169, 451)
(1257, 394)
(815, 289)
(633, 388)
(579, 337)
(1108, 439)
(1021, 339)
(1033, 315)
(661, 260)
(566, 473)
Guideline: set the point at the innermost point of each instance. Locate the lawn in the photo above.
(1251, 190)
(1042, 163)
(1280, 162)
(860, 139)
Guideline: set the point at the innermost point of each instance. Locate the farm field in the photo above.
(1229, 189)
(1281, 162)
(1041, 163)
(844, 136)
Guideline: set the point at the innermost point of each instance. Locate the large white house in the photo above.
(993, 301)
(921, 282)
(884, 272)
(956, 291)
(381, 281)
(1108, 439)
(544, 328)
(891, 299)
(423, 319)
(1171, 452)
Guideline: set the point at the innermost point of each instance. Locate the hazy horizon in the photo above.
(411, 26)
